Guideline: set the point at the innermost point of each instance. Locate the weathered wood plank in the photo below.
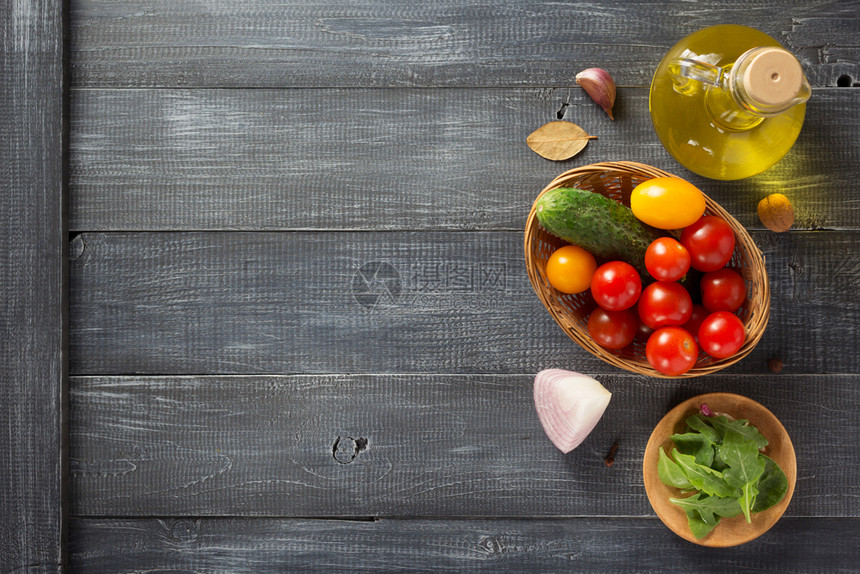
(394, 159)
(572, 544)
(375, 302)
(32, 326)
(400, 43)
(412, 445)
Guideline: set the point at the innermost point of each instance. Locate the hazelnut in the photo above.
(774, 365)
(776, 212)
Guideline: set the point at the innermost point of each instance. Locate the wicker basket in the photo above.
(616, 180)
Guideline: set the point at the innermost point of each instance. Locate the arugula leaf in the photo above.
(708, 506)
(744, 467)
(698, 527)
(772, 485)
(670, 473)
(718, 464)
(709, 510)
(702, 477)
(747, 499)
(695, 444)
(698, 423)
(723, 425)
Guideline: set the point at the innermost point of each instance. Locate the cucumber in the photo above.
(605, 228)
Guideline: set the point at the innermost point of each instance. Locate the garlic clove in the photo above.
(569, 406)
(598, 84)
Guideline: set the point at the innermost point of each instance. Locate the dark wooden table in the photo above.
(264, 304)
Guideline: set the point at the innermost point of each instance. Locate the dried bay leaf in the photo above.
(558, 140)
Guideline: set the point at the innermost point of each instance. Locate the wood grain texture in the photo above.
(393, 302)
(412, 445)
(385, 43)
(794, 545)
(32, 290)
(395, 159)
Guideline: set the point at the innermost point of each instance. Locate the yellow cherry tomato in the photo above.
(570, 268)
(667, 203)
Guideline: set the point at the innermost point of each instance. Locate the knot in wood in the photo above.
(490, 545)
(346, 448)
(184, 531)
(76, 247)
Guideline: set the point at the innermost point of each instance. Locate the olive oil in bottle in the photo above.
(728, 101)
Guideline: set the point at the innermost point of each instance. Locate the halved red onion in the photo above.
(569, 405)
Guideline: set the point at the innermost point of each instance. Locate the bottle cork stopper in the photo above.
(773, 77)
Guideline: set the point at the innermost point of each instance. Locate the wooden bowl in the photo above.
(730, 531)
(616, 180)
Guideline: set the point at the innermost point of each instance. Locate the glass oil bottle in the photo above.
(728, 101)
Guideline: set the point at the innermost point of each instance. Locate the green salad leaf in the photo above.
(697, 423)
(740, 426)
(671, 474)
(698, 527)
(721, 460)
(702, 477)
(772, 486)
(745, 466)
(697, 445)
(705, 511)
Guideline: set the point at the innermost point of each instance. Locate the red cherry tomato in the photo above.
(672, 351)
(612, 329)
(663, 304)
(666, 259)
(616, 286)
(723, 290)
(710, 242)
(643, 332)
(721, 334)
(696, 317)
